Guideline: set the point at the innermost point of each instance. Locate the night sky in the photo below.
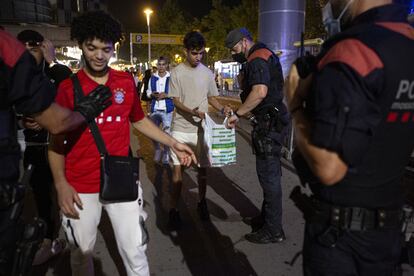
(130, 12)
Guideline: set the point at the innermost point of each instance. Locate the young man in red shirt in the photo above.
(75, 160)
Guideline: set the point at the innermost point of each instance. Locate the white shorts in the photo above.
(196, 142)
(127, 219)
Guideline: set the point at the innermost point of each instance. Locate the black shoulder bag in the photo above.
(119, 174)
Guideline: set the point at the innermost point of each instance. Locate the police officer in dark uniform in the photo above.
(262, 85)
(37, 140)
(25, 90)
(354, 122)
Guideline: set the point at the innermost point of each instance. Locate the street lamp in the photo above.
(207, 49)
(117, 50)
(148, 13)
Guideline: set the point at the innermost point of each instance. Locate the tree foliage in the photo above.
(247, 15)
(215, 26)
(313, 21)
(223, 19)
(171, 19)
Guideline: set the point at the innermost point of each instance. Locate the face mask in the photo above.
(332, 25)
(239, 57)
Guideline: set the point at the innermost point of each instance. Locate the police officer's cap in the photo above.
(235, 36)
(30, 36)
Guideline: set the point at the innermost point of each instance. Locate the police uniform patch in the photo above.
(119, 96)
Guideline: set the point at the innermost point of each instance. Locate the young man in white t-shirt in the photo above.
(193, 88)
(162, 106)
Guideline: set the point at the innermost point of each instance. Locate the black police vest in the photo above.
(274, 95)
(376, 182)
(9, 147)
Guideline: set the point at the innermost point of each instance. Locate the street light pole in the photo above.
(148, 12)
(131, 49)
(207, 49)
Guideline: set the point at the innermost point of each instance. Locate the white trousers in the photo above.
(127, 221)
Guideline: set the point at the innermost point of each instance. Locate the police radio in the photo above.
(306, 63)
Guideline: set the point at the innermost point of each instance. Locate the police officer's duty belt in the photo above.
(358, 219)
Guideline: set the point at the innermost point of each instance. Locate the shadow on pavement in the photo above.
(232, 193)
(205, 250)
(60, 264)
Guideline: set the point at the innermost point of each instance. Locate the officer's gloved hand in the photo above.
(94, 103)
(306, 65)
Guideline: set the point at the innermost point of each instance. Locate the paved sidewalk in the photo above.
(203, 248)
(217, 247)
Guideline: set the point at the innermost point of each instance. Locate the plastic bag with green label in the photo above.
(220, 143)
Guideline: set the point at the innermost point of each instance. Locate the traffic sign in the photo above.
(138, 39)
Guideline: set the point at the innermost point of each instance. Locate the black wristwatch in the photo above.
(237, 115)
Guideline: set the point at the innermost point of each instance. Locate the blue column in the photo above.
(281, 23)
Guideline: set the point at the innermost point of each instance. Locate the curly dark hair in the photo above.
(194, 41)
(96, 24)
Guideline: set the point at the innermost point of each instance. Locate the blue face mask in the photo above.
(333, 25)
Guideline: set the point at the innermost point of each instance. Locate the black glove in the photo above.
(94, 103)
(306, 65)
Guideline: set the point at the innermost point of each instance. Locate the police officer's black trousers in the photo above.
(9, 229)
(41, 182)
(362, 253)
(269, 174)
(9, 236)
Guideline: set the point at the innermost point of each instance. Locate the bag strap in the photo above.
(77, 89)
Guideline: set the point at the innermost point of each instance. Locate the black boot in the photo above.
(264, 235)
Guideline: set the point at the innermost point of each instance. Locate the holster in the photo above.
(268, 119)
(265, 122)
(306, 204)
(262, 144)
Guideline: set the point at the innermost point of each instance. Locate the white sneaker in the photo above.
(157, 155)
(48, 249)
(166, 158)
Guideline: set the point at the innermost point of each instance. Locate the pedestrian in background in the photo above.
(162, 106)
(145, 85)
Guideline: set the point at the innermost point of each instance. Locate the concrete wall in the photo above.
(281, 23)
(60, 36)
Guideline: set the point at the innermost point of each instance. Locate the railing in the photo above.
(230, 93)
